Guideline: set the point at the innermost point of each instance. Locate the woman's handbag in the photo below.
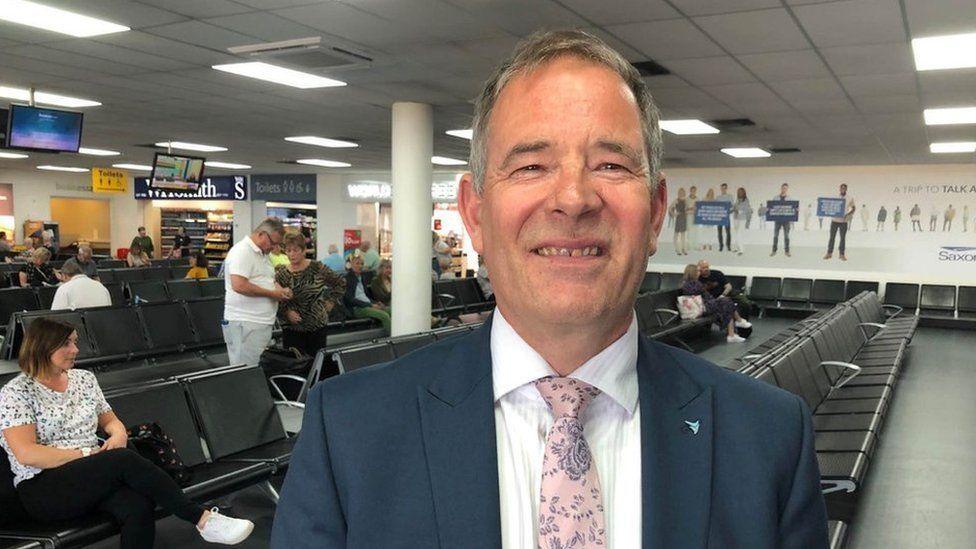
(154, 444)
(690, 306)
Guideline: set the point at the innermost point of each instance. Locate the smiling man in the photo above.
(556, 424)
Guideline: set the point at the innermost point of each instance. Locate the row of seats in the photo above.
(13, 300)
(453, 297)
(223, 423)
(654, 281)
(658, 319)
(845, 364)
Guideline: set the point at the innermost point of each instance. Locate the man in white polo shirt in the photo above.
(78, 291)
(251, 298)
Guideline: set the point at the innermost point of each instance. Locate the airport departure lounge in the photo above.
(487, 274)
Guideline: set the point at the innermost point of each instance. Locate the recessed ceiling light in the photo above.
(323, 163)
(54, 19)
(44, 98)
(746, 152)
(226, 165)
(127, 166)
(956, 115)
(12, 155)
(954, 51)
(98, 152)
(953, 147)
(190, 146)
(687, 127)
(322, 142)
(279, 75)
(463, 134)
(445, 161)
(62, 168)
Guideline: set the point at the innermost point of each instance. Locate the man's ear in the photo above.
(659, 205)
(469, 205)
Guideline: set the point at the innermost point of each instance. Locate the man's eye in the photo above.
(610, 166)
(530, 168)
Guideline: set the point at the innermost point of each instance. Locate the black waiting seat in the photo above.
(116, 292)
(186, 288)
(405, 344)
(206, 315)
(361, 357)
(670, 281)
(764, 292)
(147, 291)
(937, 300)
(129, 274)
(167, 325)
(827, 293)
(178, 271)
(650, 283)
(738, 282)
(85, 347)
(106, 276)
(117, 332)
(966, 302)
(795, 293)
(902, 295)
(111, 264)
(16, 299)
(212, 287)
(855, 287)
(156, 273)
(45, 295)
(471, 296)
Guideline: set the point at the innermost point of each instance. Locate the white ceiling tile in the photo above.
(693, 102)
(750, 98)
(664, 81)
(935, 17)
(202, 34)
(622, 11)
(198, 9)
(522, 17)
(879, 84)
(852, 22)
(711, 7)
(710, 71)
(430, 20)
(948, 88)
(495, 49)
(264, 26)
(666, 40)
(119, 54)
(888, 104)
(754, 31)
(629, 52)
(66, 58)
(818, 89)
(164, 47)
(869, 59)
(824, 106)
(787, 65)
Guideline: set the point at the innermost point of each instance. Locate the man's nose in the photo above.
(574, 195)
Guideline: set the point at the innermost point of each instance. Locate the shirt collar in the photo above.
(613, 370)
(253, 245)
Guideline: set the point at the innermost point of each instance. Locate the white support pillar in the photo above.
(412, 145)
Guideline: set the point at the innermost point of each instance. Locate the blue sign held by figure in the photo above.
(783, 211)
(831, 207)
(714, 213)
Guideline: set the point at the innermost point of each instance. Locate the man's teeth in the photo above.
(570, 252)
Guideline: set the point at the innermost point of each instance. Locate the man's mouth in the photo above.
(582, 251)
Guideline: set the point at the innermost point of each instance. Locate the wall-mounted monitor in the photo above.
(38, 129)
(173, 171)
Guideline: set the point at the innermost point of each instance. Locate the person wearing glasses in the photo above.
(251, 293)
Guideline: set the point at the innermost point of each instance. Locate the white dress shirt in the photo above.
(611, 425)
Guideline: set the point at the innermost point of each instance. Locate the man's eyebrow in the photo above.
(525, 148)
(621, 148)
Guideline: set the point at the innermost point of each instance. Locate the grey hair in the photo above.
(71, 268)
(543, 47)
(270, 225)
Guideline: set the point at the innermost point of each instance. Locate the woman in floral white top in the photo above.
(49, 415)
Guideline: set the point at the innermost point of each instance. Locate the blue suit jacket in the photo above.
(403, 455)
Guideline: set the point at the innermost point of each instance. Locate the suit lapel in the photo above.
(458, 423)
(676, 463)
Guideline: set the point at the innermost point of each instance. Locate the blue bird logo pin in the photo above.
(693, 426)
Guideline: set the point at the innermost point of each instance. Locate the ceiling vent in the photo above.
(732, 124)
(650, 68)
(304, 53)
(781, 150)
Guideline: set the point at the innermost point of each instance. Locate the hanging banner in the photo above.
(109, 180)
(351, 239)
(223, 187)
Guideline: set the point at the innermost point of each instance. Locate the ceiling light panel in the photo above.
(226, 165)
(98, 152)
(746, 152)
(322, 142)
(190, 146)
(54, 19)
(279, 75)
(4, 154)
(324, 163)
(955, 51)
(446, 161)
(62, 168)
(463, 134)
(44, 98)
(137, 167)
(955, 115)
(687, 127)
(953, 147)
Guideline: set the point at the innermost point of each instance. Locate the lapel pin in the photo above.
(693, 426)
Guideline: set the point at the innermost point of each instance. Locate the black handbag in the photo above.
(154, 444)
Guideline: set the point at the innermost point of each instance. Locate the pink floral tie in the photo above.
(571, 505)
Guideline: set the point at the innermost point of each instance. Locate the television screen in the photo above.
(171, 171)
(43, 129)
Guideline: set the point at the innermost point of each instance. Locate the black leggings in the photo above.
(118, 482)
(306, 342)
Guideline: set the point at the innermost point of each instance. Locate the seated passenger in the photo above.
(49, 415)
(356, 299)
(724, 308)
(335, 260)
(137, 256)
(382, 285)
(717, 285)
(37, 271)
(198, 266)
(84, 261)
(78, 291)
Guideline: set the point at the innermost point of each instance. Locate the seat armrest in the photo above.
(674, 315)
(831, 486)
(448, 297)
(273, 380)
(863, 326)
(854, 369)
(751, 356)
(895, 308)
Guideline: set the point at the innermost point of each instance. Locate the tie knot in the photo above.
(567, 397)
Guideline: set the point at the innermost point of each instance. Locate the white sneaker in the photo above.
(225, 530)
(734, 339)
(743, 323)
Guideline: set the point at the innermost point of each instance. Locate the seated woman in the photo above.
(356, 299)
(49, 415)
(382, 284)
(316, 290)
(722, 307)
(37, 271)
(137, 257)
(198, 266)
